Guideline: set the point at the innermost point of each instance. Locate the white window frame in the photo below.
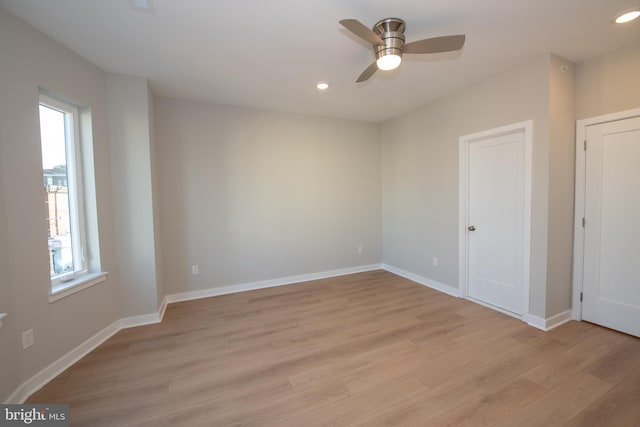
(80, 278)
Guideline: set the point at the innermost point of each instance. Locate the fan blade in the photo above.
(366, 74)
(360, 30)
(436, 44)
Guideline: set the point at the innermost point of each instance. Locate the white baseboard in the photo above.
(163, 307)
(558, 319)
(423, 280)
(144, 319)
(36, 382)
(550, 322)
(495, 308)
(535, 321)
(252, 286)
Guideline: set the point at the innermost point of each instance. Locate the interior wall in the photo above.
(561, 184)
(9, 376)
(31, 60)
(130, 138)
(420, 173)
(608, 84)
(250, 195)
(155, 194)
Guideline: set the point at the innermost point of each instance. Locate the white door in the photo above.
(611, 272)
(496, 207)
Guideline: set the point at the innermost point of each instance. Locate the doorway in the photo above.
(495, 217)
(607, 242)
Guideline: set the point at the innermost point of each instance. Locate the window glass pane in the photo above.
(54, 135)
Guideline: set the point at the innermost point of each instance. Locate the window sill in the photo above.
(65, 289)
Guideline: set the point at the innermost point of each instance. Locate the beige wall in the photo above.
(561, 184)
(130, 139)
(608, 84)
(420, 173)
(155, 193)
(31, 60)
(251, 195)
(9, 374)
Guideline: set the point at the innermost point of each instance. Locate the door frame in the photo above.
(464, 143)
(580, 198)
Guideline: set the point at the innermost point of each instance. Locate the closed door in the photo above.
(611, 272)
(496, 221)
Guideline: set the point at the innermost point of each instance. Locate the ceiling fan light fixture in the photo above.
(322, 85)
(389, 62)
(627, 16)
(388, 43)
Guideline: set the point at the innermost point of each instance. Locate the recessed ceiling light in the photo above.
(627, 16)
(322, 85)
(142, 5)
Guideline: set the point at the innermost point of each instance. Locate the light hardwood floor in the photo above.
(361, 350)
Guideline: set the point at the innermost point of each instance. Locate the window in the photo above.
(63, 196)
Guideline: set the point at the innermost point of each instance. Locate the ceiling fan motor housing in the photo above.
(391, 31)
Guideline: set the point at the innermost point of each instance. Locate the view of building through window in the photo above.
(54, 134)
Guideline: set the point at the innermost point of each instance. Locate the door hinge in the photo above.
(585, 145)
(583, 222)
(580, 296)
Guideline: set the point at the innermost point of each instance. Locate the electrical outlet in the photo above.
(27, 339)
(434, 261)
(360, 250)
(195, 270)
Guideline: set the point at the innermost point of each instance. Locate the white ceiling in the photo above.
(270, 53)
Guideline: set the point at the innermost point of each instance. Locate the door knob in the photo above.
(472, 228)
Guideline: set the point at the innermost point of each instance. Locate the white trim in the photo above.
(579, 208)
(535, 321)
(143, 319)
(72, 286)
(163, 308)
(558, 319)
(463, 209)
(455, 292)
(550, 322)
(495, 308)
(73, 150)
(36, 382)
(224, 290)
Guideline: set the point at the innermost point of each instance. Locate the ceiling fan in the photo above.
(387, 37)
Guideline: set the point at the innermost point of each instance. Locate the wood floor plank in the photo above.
(359, 407)
(353, 366)
(368, 349)
(620, 407)
(420, 409)
(559, 405)
(489, 408)
(557, 369)
(617, 364)
(512, 364)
